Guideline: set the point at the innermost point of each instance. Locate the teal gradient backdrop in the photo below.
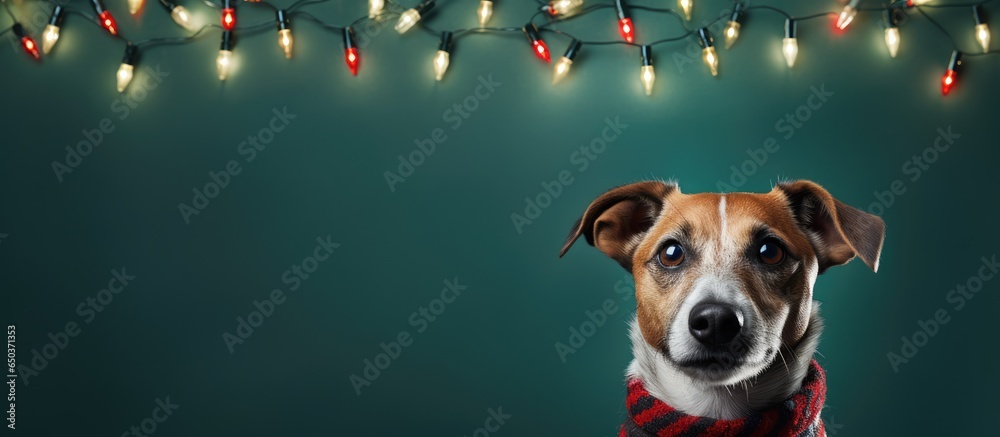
(492, 347)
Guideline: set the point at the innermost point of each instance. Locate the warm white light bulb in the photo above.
(134, 6)
(892, 40)
(711, 59)
(790, 48)
(375, 8)
(181, 16)
(920, 2)
(732, 32)
(561, 69)
(846, 16)
(407, 20)
(224, 63)
(647, 77)
(563, 7)
(124, 76)
(49, 37)
(441, 60)
(285, 41)
(685, 6)
(485, 11)
(983, 35)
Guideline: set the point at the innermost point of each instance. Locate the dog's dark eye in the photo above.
(672, 255)
(771, 252)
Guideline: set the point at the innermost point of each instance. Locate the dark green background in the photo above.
(494, 346)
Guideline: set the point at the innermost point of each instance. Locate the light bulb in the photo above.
(412, 16)
(484, 12)
(732, 33)
(790, 48)
(181, 16)
(125, 71)
(917, 2)
(537, 45)
(982, 30)
(646, 74)
(442, 57)
(708, 53)
(134, 6)
(107, 21)
(228, 15)
(847, 15)
(892, 40)
(51, 34)
(563, 7)
(565, 62)
(685, 6)
(626, 29)
(790, 45)
(224, 62)
(951, 74)
(49, 38)
(375, 8)
(27, 43)
(983, 35)
(351, 51)
(286, 41)
(441, 60)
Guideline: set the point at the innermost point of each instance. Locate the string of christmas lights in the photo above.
(553, 12)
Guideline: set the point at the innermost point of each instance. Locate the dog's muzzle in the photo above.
(715, 324)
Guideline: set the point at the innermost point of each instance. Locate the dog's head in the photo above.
(723, 281)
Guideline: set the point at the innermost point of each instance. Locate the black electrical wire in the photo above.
(939, 26)
(173, 41)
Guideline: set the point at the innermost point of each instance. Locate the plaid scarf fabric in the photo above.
(798, 416)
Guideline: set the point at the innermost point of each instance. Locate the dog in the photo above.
(725, 325)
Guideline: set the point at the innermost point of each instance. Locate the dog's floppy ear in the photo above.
(612, 221)
(837, 231)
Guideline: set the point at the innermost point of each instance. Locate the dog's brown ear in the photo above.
(612, 221)
(837, 231)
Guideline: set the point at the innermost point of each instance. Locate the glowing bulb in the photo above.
(125, 71)
(485, 11)
(51, 34)
(407, 20)
(790, 48)
(711, 60)
(983, 35)
(181, 16)
(847, 15)
(537, 45)
(224, 62)
(107, 21)
(790, 45)
(563, 7)
(646, 74)
(732, 33)
(49, 38)
(375, 8)
(626, 29)
(892, 40)
(351, 56)
(285, 40)
(441, 60)
(951, 74)
(917, 2)
(565, 62)
(229, 18)
(27, 43)
(134, 6)
(685, 6)
(124, 76)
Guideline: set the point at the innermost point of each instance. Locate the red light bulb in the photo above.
(541, 50)
(351, 55)
(947, 82)
(626, 29)
(30, 47)
(228, 18)
(108, 22)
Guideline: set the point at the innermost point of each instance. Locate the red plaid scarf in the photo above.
(798, 416)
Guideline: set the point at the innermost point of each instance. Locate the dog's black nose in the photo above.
(714, 324)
